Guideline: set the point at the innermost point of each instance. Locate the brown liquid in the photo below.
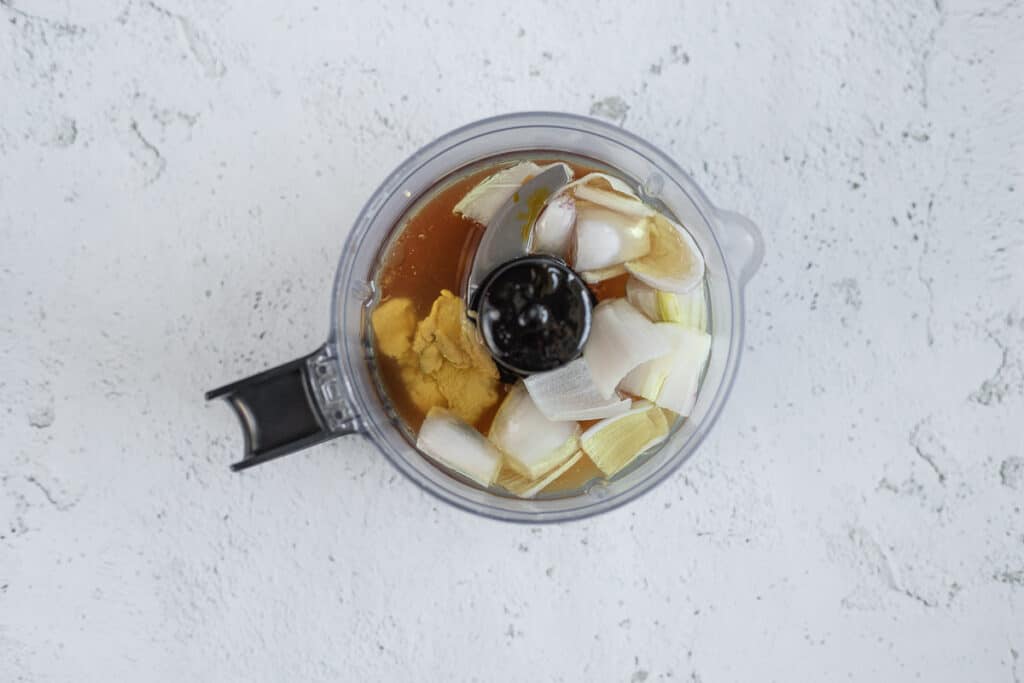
(612, 288)
(433, 251)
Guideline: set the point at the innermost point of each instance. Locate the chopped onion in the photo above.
(626, 205)
(621, 338)
(552, 233)
(603, 181)
(673, 262)
(455, 444)
(614, 443)
(518, 485)
(532, 443)
(679, 392)
(488, 196)
(643, 297)
(647, 379)
(672, 380)
(689, 309)
(607, 238)
(609, 192)
(594, 276)
(569, 393)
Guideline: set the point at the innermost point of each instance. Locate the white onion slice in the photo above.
(621, 338)
(455, 444)
(522, 487)
(679, 392)
(592, 277)
(647, 379)
(609, 191)
(613, 443)
(626, 205)
(614, 232)
(552, 233)
(606, 238)
(672, 380)
(689, 309)
(531, 442)
(489, 195)
(643, 297)
(569, 393)
(673, 262)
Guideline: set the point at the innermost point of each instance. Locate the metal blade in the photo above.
(505, 236)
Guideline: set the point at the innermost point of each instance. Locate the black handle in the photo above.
(288, 408)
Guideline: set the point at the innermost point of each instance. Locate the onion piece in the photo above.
(453, 443)
(679, 391)
(592, 277)
(520, 486)
(532, 443)
(647, 379)
(552, 233)
(621, 338)
(609, 192)
(603, 181)
(614, 443)
(607, 238)
(643, 297)
(489, 195)
(689, 309)
(613, 223)
(672, 380)
(673, 262)
(569, 393)
(626, 205)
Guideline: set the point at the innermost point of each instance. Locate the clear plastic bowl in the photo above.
(333, 391)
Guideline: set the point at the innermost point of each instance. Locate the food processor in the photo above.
(335, 391)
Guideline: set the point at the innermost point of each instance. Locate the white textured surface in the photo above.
(176, 181)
